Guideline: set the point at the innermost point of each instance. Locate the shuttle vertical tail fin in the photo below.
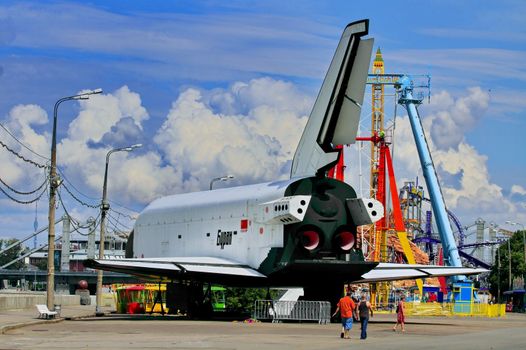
(334, 118)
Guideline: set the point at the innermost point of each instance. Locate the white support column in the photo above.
(65, 252)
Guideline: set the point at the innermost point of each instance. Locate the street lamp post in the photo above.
(222, 178)
(105, 206)
(54, 182)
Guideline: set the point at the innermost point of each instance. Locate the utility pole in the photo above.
(104, 208)
(54, 182)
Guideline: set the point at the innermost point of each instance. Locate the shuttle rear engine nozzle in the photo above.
(310, 239)
(345, 240)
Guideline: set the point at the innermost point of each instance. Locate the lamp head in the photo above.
(86, 95)
(132, 147)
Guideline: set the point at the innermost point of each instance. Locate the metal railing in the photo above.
(284, 310)
(447, 309)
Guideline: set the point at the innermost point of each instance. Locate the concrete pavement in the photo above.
(12, 319)
(21, 329)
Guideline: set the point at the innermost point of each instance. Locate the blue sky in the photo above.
(215, 87)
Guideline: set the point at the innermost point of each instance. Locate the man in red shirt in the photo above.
(346, 307)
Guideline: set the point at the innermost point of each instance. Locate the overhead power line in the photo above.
(115, 222)
(21, 156)
(63, 175)
(124, 207)
(79, 200)
(74, 222)
(23, 202)
(21, 192)
(122, 214)
(21, 143)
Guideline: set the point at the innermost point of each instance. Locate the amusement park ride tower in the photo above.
(377, 128)
(382, 178)
(382, 181)
(378, 234)
(382, 170)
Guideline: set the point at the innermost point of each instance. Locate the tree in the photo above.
(11, 254)
(41, 264)
(518, 266)
(242, 299)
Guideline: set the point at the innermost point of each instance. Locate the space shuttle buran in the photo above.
(299, 232)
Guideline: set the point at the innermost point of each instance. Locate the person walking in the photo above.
(400, 315)
(346, 308)
(364, 311)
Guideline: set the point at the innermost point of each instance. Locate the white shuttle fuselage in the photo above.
(240, 223)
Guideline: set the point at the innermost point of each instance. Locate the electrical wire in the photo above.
(117, 230)
(63, 175)
(21, 156)
(95, 227)
(124, 207)
(21, 192)
(122, 214)
(20, 142)
(114, 229)
(118, 222)
(79, 200)
(74, 221)
(23, 202)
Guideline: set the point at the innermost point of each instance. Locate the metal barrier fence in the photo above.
(284, 310)
(448, 309)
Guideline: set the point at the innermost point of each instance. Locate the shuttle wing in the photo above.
(226, 271)
(195, 268)
(393, 272)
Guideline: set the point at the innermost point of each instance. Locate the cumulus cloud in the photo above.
(453, 118)
(249, 129)
(517, 189)
(20, 123)
(101, 112)
(467, 186)
(238, 131)
(465, 180)
(106, 122)
(121, 133)
(242, 97)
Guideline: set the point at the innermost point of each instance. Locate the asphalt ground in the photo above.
(79, 329)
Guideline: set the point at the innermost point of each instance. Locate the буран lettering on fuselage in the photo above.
(225, 238)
